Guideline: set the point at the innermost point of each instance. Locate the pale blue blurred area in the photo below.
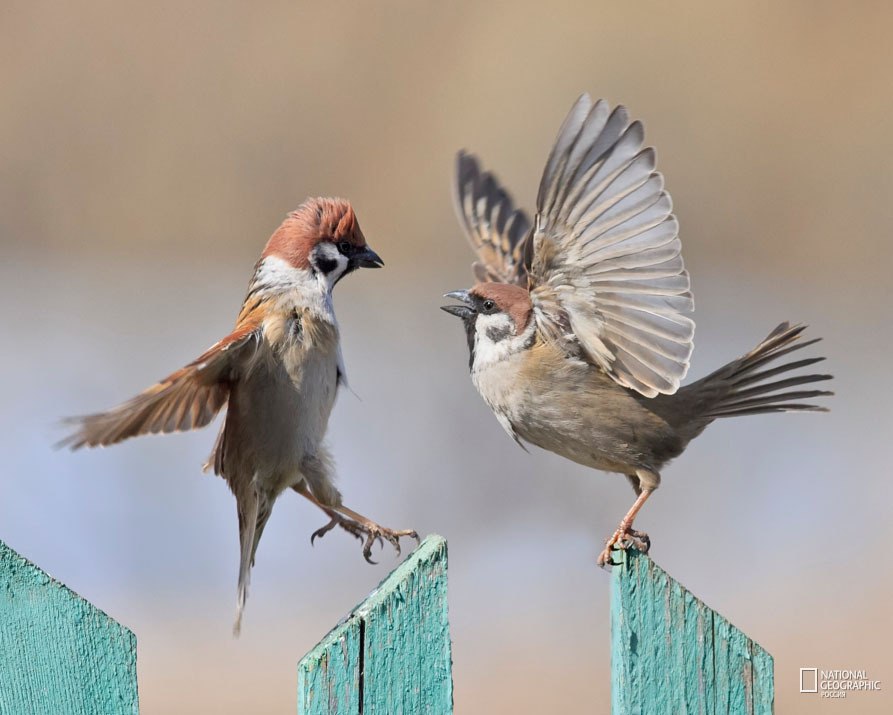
(148, 152)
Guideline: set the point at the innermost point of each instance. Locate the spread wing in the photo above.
(187, 399)
(607, 273)
(499, 233)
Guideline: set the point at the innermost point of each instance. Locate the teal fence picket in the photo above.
(391, 654)
(670, 653)
(58, 653)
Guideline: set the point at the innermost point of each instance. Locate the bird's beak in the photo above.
(367, 258)
(466, 311)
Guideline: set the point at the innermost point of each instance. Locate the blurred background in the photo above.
(147, 151)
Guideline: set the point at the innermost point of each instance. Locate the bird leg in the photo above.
(625, 535)
(356, 525)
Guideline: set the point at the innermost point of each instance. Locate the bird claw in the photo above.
(366, 531)
(639, 540)
(374, 533)
(621, 540)
(323, 530)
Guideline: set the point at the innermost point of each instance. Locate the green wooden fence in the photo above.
(391, 654)
(58, 653)
(670, 653)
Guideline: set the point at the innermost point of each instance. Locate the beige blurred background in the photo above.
(147, 150)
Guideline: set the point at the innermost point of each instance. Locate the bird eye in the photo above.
(489, 305)
(344, 247)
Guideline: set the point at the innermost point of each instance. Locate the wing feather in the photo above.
(186, 399)
(498, 232)
(627, 189)
(607, 263)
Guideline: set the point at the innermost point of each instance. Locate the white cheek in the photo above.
(328, 252)
(494, 338)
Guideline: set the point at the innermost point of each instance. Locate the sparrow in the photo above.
(578, 327)
(277, 374)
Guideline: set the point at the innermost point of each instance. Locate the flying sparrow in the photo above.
(577, 327)
(277, 373)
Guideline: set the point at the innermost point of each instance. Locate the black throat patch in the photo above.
(469, 336)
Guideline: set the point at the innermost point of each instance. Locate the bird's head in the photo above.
(498, 319)
(322, 236)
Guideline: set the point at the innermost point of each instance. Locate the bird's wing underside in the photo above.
(607, 277)
(187, 399)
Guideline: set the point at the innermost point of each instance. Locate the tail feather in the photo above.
(727, 387)
(763, 388)
(787, 367)
(779, 401)
(762, 356)
(791, 407)
(252, 520)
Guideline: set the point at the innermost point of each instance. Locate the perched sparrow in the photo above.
(577, 326)
(277, 374)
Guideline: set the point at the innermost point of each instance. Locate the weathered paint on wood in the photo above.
(58, 653)
(391, 654)
(670, 653)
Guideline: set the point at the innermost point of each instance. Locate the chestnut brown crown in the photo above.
(510, 299)
(315, 221)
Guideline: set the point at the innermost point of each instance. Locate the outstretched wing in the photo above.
(186, 399)
(607, 273)
(499, 233)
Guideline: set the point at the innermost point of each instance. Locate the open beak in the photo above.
(466, 312)
(367, 258)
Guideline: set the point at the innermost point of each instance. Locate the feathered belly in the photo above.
(577, 413)
(279, 412)
(582, 436)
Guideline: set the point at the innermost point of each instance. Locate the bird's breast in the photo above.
(281, 403)
(310, 362)
(571, 408)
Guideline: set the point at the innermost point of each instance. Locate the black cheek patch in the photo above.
(497, 334)
(326, 265)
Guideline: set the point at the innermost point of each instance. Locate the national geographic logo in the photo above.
(835, 683)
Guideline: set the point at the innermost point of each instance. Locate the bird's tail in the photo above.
(253, 518)
(744, 387)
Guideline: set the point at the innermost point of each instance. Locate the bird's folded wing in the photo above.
(607, 274)
(499, 233)
(186, 399)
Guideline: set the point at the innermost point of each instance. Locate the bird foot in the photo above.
(374, 532)
(366, 531)
(622, 539)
